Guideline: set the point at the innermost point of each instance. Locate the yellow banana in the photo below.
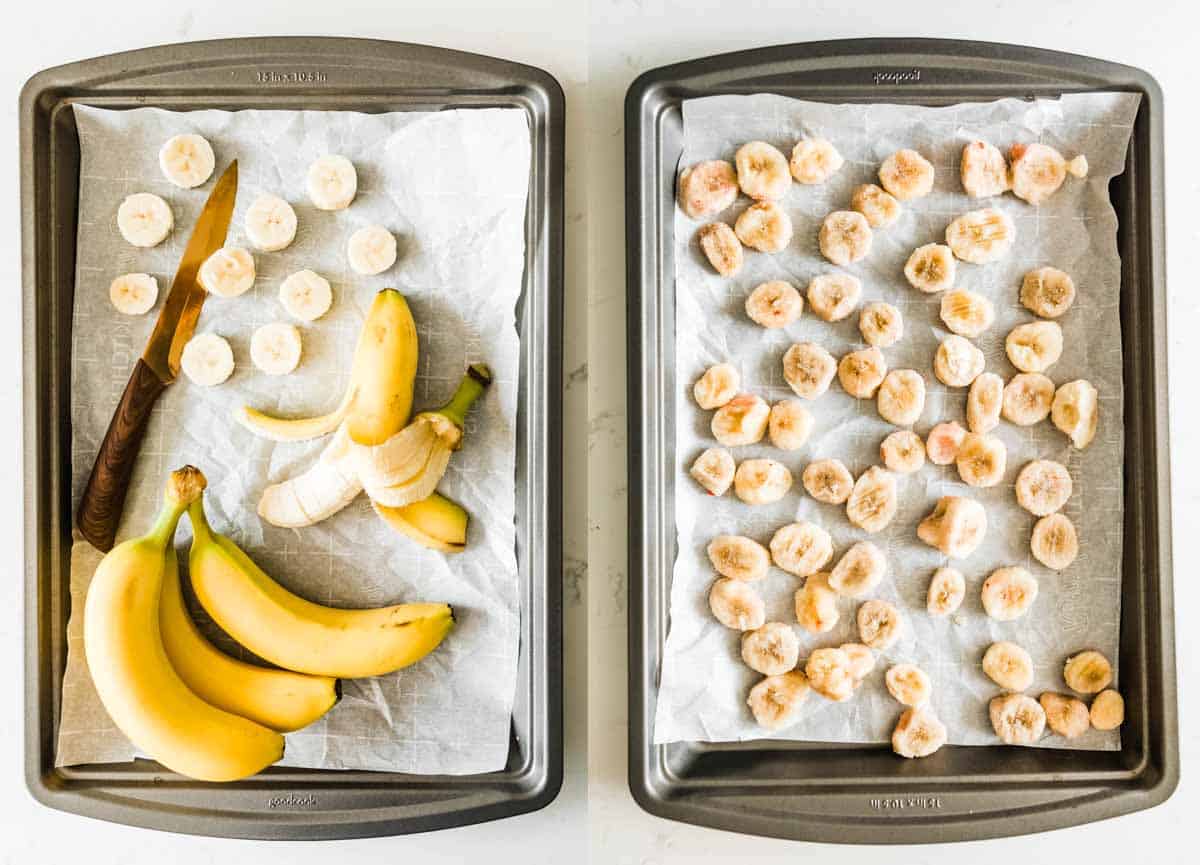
(435, 522)
(139, 687)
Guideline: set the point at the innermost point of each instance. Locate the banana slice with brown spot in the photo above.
(714, 470)
(981, 460)
(902, 452)
(814, 160)
(761, 481)
(741, 421)
(1018, 719)
(1108, 710)
(1027, 398)
(861, 372)
(1066, 716)
(1008, 593)
(880, 324)
(879, 624)
(880, 208)
(918, 733)
(762, 171)
(775, 701)
(845, 237)
(1054, 542)
(801, 548)
(707, 188)
(717, 386)
(859, 570)
(828, 481)
(909, 685)
(873, 501)
(906, 174)
(816, 605)
(1088, 672)
(1008, 665)
(808, 369)
(789, 424)
(957, 362)
(833, 296)
(984, 402)
(931, 268)
(829, 674)
(1036, 171)
(1043, 487)
(1034, 346)
(1075, 411)
(721, 247)
(1047, 292)
(901, 397)
(772, 649)
(774, 304)
(981, 236)
(983, 170)
(765, 227)
(967, 313)
(947, 589)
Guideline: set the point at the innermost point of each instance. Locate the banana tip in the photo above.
(481, 373)
(186, 484)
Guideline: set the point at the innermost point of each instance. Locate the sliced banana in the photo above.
(816, 605)
(1108, 710)
(270, 223)
(707, 188)
(275, 348)
(187, 160)
(901, 397)
(774, 304)
(815, 160)
(981, 460)
(762, 171)
(1047, 292)
(144, 219)
(1054, 542)
(1034, 346)
(717, 386)
(1008, 665)
(880, 324)
(931, 268)
(873, 501)
(1075, 411)
(947, 589)
(1036, 171)
(879, 624)
(981, 236)
(789, 425)
(967, 313)
(833, 296)
(880, 208)
(228, 272)
(772, 649)
(1088, 672)
(736, 604)
(738, 557)
(828, 672)
(801, 548)
(984, 401)
(761, 482)
(207, 359)
(1078, 167)
(808, 369)
(775, 701)
(371, 250)
(944, 441)
(845, 237)
(1043, 487)
(956, 526)
(1066, 716)
(714, 470)
(741, 421)
(861, 372)
(983, 170)
(906, 174)
(1027, 398)
(918, 733)
(909, 685)
(957, 361)
(1008, 593)
(1018, 719)
(306, 295)
(862, 660)
(764, 226)
(902, 452)
(828, 481)
(133, 293)
(721, 247)
(859, 570)
(332, 182)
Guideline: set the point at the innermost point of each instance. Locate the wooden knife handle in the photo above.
(104, 497)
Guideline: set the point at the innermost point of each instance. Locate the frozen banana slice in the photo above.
(1066, 716)
(772, 649)
(1088, 672)
(931, 268)
(880, 208)
(944, 441)
(775, 701)
(984, 402)
(736, 604)
(707, 188)
(1043, 487)
(1036, 171)
(789, 424)
(762, 171)
(880, 324)
(828, 672)
(808, 369)
(1108, 710)
(957, 362)
(741, 421)
(906, 175)
(967, 313)
(858, 570)
(721, 247)
(956, 526)
(902, 452)
(918, 733)
(828, 481)
(1017, 719)
(815, 160)
(901, 397)
(1008, 593)
(947, 589)
(845, 237)
(774, 304)
(909, 685)
(1054, 542)
(1047, 292)
(801, 548)
(1034, 346)
(862, 660)
(133, 293)
(717, 386)
(983, 170)
(1027, 398)
(738, 557)
(714, 470)
(981, 460)
(1008, 665)
(1075, 411)
(981, 236)
(872, 502)
(861, 372)
(764, 226)
(816, 605)
(879, 624)
(761, 482)
(833, 296)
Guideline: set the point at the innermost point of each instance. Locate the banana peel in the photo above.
(435, 522)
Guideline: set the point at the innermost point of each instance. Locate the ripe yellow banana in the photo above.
(296, 634)
(139, 687)
(435, 522)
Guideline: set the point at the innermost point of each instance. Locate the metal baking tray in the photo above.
(287, 73)
(864, 794)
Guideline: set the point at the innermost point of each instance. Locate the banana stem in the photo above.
(201, 530)
(474, 383)
(163, 531)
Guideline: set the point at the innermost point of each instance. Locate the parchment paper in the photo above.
(704, 683)
(451, 185)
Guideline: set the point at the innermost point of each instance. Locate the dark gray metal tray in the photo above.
(287, 73)
(866, 794)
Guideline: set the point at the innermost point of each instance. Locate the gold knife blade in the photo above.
(177, 320)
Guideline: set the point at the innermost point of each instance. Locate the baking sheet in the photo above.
(451, 185)
(703, 683)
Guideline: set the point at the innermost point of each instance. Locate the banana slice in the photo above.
(909, 685)
(814, 160)
(829, 674)
(741, 421)
(931, 268)
(765, 227)
(833, 296)
(1088, 672)
(775, 701)
(1008, 593)
(1043, 487)
(789, 424)
(984, 401)
(808, 369)
(133, 293)
(228, 272)
(1008, 665)
(967, 313)
(332, 182)
(714, 470)
(736, 604)
(717, 386)
(828, 481)
(901, 397)
(738, 558)
(1047, 292)
(1054, 542)
(306, 295)
(187, 160)
(275, 348)
(947, 589)
(879, 624)
(774, 304)
(762, 171)
(859, 570)
(983, 170)
(707, 188)
(270, 223)
(861, 372)
(801, 548)
(1108, 710)
(207, 359)
(371, 250)
(761, 482)
(845, 237)
(906, 174)
(902, 452)
(956, 526)
(981, 460)
(918, 733)
(721, 247)
(144, 219)
(1027, 398)
(1036, 171)
(1075, 411)
(1034, 346)
(957, 362)
(880, 324)
(1066, 716)
(862, 661)
(1017, 718)
(880, 208)
(772, 649)
(1078, 167)
(872, 502)
(816, 605)
(981, 236)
